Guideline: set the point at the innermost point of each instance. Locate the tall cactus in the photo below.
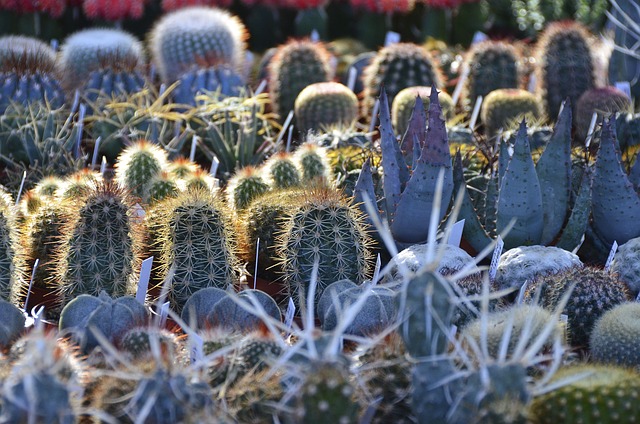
(492, 65)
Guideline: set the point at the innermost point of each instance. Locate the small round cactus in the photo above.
(281, 172)
(626, 263)
(138, 165)
(228, 314)
(136, 343)
(605, 100)
(313, 163)
(323, 104)
(12, 323)
(196, 37)
(506, 106)
(405, 101)
(198, 307)
(615, 336)
(246, 185)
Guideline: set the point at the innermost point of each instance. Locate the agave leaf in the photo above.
(416, 131)
(579, 219)
(364, 185)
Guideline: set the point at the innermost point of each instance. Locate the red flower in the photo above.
(384, 6)
(54, 8)
(168, 5)
(113, 10)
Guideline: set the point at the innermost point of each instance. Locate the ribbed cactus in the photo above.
(226, 313)
(102, 61)
(198, 245)
(221, 80)
(196, 37)
(565, 66)
(296, 65)
(246, 185)
(324, 104)
(27, 72)
(405, 101)
(503, 107)
(396, 67)
(11, 287)
(161, 186)
(614, 336)
(280, 171)
(199, 305)
(101, 246)
(626, 265)
(138, 165)
(12, 326)
(605, 100)
(313, 163)
(492, 65)
(325, 228)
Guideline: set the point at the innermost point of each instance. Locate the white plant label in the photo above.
(533, 83)
(291, 310)
(164, 313)
(391, 38)
(192, 153)
(24, 177)
(94, 158)
(196, 347)
(521, 293)
(54, 44)
(261, 87)
(479, 37)
(592, 126)
(289, 138)
(143, 281)
(284, 127)
(625, 87)
(495, 259)
(453, 331)
(33, 274)
(475, 113)
(460, 85)
(37, 315)
(376, 272)
(351, 81)
(215, 162)
(315, 36)
(612, 254)
(455, 235)
(103, 166)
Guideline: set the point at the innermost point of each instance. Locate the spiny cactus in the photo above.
(603, 394)
(220, 80)
(398, 66)
(606, 101)
(198, 245)
(246, 185)
(614, 336)
(102, 60)
(195, 36)
(27, 69)
(136, 343)
(502, 107)
(101, 246)
(161, 186)
(565, 65)
(405, 101)
(281, 172)
(294, 66)
(11, 287)
(137, 166)
(492, 65)
(325, 228)
(313, 163)
(323, 104)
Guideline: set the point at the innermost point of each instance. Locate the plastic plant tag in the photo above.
(255, 270)
(351, 81)
(164, 313)
(625, 87)
(284, 127)
(163, 88)
(475, 113)
(479, 37)
(533, 82)
(495, 259)
(215, 162)
(612, 254)
(94, 157)
(376, 272)
(315, 36)
(103, 165)
(288, 317)
(455, 235)
(261, 87)
(192, 153)
(460, 85)
(453, 331)
(289, 137)
(391, 38)
(80, 125)
(24, 177)
(592, 126)
(196, 347)
(54, 44)
(33, 275)
(522, 292)
(143, 281)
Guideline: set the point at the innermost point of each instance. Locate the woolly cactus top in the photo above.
(25, 53)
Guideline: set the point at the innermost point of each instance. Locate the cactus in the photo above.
(405, 101)
(198, 245)
(313, 163)
(504, 106)
(246, 185)
(195, 36)
(103, 60)
(12, 323)
(11, 287)
(565, 65)
(324, 104)
(594, 292)
(78, 184)
(138, 165)
(615, 206)
(220, 80)
(396, 67)
(101, 246)
(201, 180)
(325, 228)
(614, 335)
(86, 315)
(281, 172)
(228, 314)
(200, 304)
(294, 66)
(27, 69)
(161, 186)
(596, 393)
(625, 264)
(605, 100)
(492, 65)
(136, 343)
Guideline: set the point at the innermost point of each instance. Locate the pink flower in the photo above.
(168, 5)
(54, 8)
(113, 10)
(384, 6)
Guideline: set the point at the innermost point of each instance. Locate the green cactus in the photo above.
(28, 72)
(313, 163)
(198, 245)
(565, 66)
(328, 229)
(196, 36)
(161, 186)
(323, 104)
(138, 165)
(492, 65)
(502, 107)
(11, 287)
(396, 67)
(404, 103)
(281, 172)
(614, 336)
(605, 100)
(604, 394)
(294, 66)
(101, 246)
(136, 343)
(246, 185)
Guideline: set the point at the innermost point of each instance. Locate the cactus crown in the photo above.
(26, 55)
(137, 165)
(492, 65)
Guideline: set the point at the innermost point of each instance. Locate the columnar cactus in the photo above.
(137, 166)
(405, 101)
(313, 163)
(323, 104)
(492, 65)
(565, 66)
(294, 66)
(396, 67)
(614, 336)
(101, 246)
(195, 36)
(198, 245)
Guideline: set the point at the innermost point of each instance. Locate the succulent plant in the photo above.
(220, 80)
(504, 106)
(565, 65)
(405, 101)
(492, 65)
(227, 313)
(294, 66)
(138, 165)
(101, 247)
(86, 315)
(161, 186)
(606, 101)
(281, 172)
(136, 343)
(313, 163)
(196, 37)
(12, 323)
(625, 265)
(246, 185)
(323, 104)
(199, 306)
(614, 335)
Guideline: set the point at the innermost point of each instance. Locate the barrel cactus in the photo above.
(606, 101)
(324, 104)
(492, 65)
(504, 107)
(615, 335)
